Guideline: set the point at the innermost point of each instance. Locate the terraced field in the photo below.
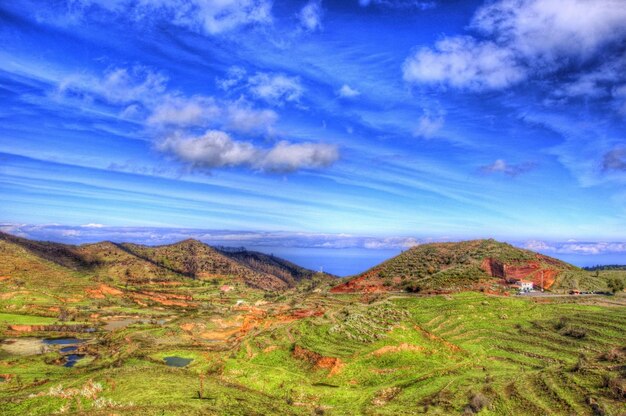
(305, 351)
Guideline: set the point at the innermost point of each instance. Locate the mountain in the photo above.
(285, 270)
(126, 262)
(457, 266)
(197, 260)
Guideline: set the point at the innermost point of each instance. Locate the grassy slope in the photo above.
(195, 259)
(514, 352)
(285, 270)
(457, 266)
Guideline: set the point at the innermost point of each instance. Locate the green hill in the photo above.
(467, 265)
(126, 262)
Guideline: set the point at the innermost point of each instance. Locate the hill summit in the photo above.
(467, 265)
(138, 264)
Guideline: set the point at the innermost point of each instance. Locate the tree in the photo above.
(191, 263)
(615, 284)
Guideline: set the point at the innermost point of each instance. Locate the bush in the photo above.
(477, 402)
(573, 332)
(615, 284)
(617, 386)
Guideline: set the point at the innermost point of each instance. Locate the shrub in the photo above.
(615, 284)
(574, 332)
(478, 401)
(617, 387)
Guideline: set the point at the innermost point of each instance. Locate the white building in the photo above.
(525, 286)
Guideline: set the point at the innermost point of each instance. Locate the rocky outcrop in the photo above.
(53, 328)
(318, 360)
(493, 267)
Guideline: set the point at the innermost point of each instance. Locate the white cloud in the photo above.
(92, 225)
(200, 111)
(289, 157)
(463, 62)
(204, 16)
(520, 38)
(428, 126)
(242, 117)
(574, 247)
(117, 85)
(234, 76)
(275, 88)
(174, 119)
(551, 29)
(181, 111)
(311, 15)
(215, 149)
(348, 92)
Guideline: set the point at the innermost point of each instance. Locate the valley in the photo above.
(186, 329)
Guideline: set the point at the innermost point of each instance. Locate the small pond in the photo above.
(177, 361)
(68, 347)
(72, 359)
(63, 341)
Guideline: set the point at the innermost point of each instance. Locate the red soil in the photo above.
(55, 328)
(531, 270)
(318, 360)
(367, 283)
(101, 291)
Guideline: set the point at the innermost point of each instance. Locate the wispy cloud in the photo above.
(209, 17)
(615, 159)
(400, 4)
(348, 92)
(175, 117)
(310, 15)
(429, 125)
(512, 170)
(273, 88)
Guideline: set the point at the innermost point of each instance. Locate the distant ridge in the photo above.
(187, 259)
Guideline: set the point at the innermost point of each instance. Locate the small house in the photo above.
(525, 286)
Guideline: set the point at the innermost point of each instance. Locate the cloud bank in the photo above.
(251, 239)
(175, 120)
(516, 39)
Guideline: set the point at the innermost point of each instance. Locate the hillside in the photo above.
(197, 260)
(137, 264)
(477, 264)
(285, 270)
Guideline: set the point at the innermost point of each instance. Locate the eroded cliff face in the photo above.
(535, 271)
(493, 268)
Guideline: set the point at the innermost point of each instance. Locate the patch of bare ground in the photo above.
(390, 349)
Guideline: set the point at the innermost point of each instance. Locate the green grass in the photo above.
(12, 318)
(400, 355)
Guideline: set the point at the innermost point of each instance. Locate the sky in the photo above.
(302, 125)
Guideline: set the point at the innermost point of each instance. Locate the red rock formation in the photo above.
(318, 360)
(367, 283)
(493, 267)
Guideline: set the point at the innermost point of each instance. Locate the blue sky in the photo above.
(388, 121)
